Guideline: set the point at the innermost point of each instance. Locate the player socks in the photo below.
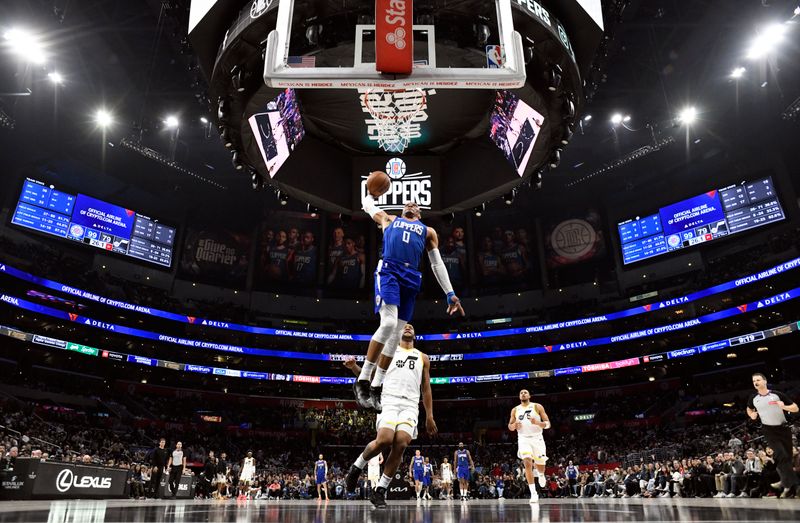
(377, 380)
(361, 462)
(532, 486)
(384, 481)
(366, 371)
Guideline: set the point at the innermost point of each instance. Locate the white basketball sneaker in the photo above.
(534, 497)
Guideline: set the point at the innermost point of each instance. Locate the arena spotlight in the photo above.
(313, 211)
(766, 41)
(626, 119)
(688, 115)
(569, 109)
(554, 78)
(283, 199)
(222, 109)
(555, 158)
(171, 122)
(567, 136)
(482, 32)
(738, 72)
(25, 45)
(237, 163)
(103, 118)
(237, 75)
(616, 118)
(478, 211)
(203, 120)
(56, 78)
(508, 197)
(225, 136)
(587, 118)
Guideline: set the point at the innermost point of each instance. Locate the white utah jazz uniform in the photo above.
(447, 473)
(401, 388)
(530, 441)
(374, 471)
(248, 470)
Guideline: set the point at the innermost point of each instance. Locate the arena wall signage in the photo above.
(46, 480)
(634, 311)
(752, 337)
(413, 179)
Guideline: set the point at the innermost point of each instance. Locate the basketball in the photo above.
(378, 183)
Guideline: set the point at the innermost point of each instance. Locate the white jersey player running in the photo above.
(529, 420)
(408, 375)
(248, 469)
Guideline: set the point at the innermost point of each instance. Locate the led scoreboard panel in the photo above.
(700, 219)
(84, 219)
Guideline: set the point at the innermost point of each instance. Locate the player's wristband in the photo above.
(450, 296)
(547, 424)
(368, 204)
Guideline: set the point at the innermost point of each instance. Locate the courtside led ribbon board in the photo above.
(193, 320)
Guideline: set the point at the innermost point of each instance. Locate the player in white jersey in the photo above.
(529, 420)
(248, 469)
(407, 375)
(447, 479)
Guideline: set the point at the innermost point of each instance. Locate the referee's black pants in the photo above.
(175, 474)
(779, 437)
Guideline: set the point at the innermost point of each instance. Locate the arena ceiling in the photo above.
(133, 57)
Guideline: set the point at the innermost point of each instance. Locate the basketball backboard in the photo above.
(439, 61)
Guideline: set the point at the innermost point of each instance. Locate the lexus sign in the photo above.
(67, 479)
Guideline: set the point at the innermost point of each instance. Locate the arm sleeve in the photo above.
(368, 204)
(750, 403)
(440, 272)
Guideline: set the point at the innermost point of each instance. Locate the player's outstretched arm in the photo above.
(427, 396)
(380, 217)
(350, 363)
(440, 273)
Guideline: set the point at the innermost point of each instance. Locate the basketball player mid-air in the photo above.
(408, 375)
(529, 420)
(397, 282)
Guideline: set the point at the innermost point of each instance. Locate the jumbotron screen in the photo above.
(84, 219)
(702, 218)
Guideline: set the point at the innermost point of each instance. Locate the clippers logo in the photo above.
(397, 39)
(66, 480)
(73, 316)
(259, 7)
(405, 187)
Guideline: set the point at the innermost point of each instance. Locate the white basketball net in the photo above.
(393, 115)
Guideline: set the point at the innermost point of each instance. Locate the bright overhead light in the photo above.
(25, 45)
(103, 118)
(616, 119)
(171, 122)
(738, 72)
(688, 115)
(203, 119)
(587, 117)
(766, 42)
(56, 78)
(627, 118)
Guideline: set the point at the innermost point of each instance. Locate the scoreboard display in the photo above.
(700, 219)
(87, 220)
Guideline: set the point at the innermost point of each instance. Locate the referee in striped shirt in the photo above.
(770, 406)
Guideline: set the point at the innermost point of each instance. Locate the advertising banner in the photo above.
(216, 255)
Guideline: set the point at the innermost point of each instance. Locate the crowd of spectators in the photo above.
(692, 458)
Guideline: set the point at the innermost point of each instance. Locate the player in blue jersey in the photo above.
(464, 465)
(427, 479)
(321, 476)
(416, 469)
(397, 282)
(304, 261)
